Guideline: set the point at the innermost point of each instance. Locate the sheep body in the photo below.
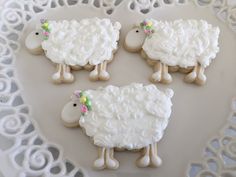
(90, 41)
(182, 43)
(130, 117)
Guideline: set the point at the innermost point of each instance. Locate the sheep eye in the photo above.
(137, 31)
(74, 104)
(36, 33)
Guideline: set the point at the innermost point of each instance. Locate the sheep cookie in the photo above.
(87, 44)
(119, 118)
(187, 46)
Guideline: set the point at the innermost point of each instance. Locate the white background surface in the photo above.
(198, 112)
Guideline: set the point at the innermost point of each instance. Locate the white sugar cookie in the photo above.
(131, 117)
(185, 45)
(87, 44)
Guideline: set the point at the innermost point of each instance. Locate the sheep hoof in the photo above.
(104, 75)
(112, 164)
(201, 79)
(93, 75)
(143, 161)
(166, 78)
(68, 77)
(191, 77)
(156, 161)
(99, 164)
(56, 78)
(156, 77)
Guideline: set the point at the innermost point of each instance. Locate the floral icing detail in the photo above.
(45, 27)
(147, 26)
(85, 102)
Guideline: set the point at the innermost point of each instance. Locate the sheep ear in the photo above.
(38, 25)
(74, 97)
(169, 93)
(136, 25)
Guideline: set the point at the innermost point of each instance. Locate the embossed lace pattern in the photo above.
(219, 157)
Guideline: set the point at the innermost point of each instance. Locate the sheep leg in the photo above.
(111, 162)
(201, 78)
(156, 76)
(191, 77)
(99, 163)
(166, 77)
(94, 74)
(144, 160)
(103, 74)
(155, 159)
(67, 76)
(56, 77)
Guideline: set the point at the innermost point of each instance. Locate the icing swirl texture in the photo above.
(90, 41)
(182, 43)
(131, 117)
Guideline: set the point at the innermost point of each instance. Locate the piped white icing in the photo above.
(182, 43)
(79, 43)
(131, 117)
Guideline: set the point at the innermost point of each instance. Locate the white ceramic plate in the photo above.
(198, 112)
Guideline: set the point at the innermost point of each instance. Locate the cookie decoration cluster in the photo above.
(147, 26)
(121, 119)
(85, 102)
(179, 44)
(45, 27)
(88, 44)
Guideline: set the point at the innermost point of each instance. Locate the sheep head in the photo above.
(135, 38)
(34, 40)
(79, 105)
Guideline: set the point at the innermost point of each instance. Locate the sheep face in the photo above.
(71, 113)
(33, 42)
(134, 39)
